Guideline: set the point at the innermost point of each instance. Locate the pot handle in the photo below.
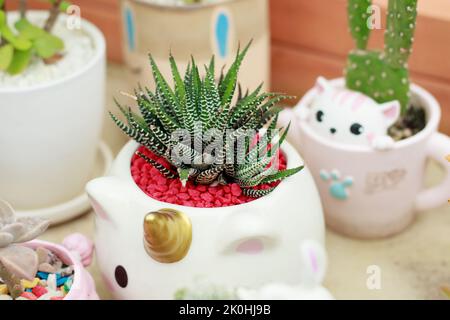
(438, 148)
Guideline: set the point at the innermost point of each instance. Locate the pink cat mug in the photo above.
(369, 193)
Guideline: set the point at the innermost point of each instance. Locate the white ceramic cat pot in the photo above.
(246, 245)
(371, 192)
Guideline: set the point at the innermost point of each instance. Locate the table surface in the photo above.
(413, 265)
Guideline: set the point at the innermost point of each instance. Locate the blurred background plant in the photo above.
(20, 45)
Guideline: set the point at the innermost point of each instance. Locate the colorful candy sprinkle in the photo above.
(3, 289)
(39, 291)
(28, 296)
(30, 284)
(42, 275)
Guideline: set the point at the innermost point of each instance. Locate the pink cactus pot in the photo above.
(76, 250)
(369, 193)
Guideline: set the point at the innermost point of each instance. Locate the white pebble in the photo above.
(51, 281)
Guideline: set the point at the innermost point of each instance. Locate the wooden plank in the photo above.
(295, 71)
(318, 24)
(322, 25)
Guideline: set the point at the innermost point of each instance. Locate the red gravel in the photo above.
(170, 190)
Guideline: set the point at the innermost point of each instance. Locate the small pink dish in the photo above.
(76, 250)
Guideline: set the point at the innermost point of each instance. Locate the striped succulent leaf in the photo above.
(206, 128)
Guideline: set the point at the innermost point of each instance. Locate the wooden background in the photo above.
(310, 38)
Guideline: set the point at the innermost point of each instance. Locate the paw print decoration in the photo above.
(338, 187)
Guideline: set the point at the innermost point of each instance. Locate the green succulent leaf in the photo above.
(6, 56)
(2, 17)
(165, 94)
(228, 85)
(162, 169)
(256, 193)
(64, 6)
(18, 42)
(184, 175)
(20, 61)
(28, 30)
(48, 45)
(214, 118)
(281, 175)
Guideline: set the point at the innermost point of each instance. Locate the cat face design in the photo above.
(348, 116)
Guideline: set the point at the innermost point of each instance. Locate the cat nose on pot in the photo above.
(333, 130)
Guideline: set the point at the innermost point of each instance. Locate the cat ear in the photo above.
(322, 85)
(391, 111)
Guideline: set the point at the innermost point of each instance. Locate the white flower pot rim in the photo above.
(99, 51)
(185, 7)
(431, 107)
(292, 160)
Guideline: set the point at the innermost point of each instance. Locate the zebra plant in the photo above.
(212, 115)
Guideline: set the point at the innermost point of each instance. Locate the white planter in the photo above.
(280, 222)
(50, 133)
(387, 189)
(201, 30)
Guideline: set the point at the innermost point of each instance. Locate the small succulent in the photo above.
(382, 75)
(17, 262)
(212, 116)
(18, 47)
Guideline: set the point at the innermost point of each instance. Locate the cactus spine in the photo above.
(382, 75)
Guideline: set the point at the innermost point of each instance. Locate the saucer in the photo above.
(80, 204)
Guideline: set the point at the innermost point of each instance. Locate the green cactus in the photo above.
(382, 75)
(357, 16)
